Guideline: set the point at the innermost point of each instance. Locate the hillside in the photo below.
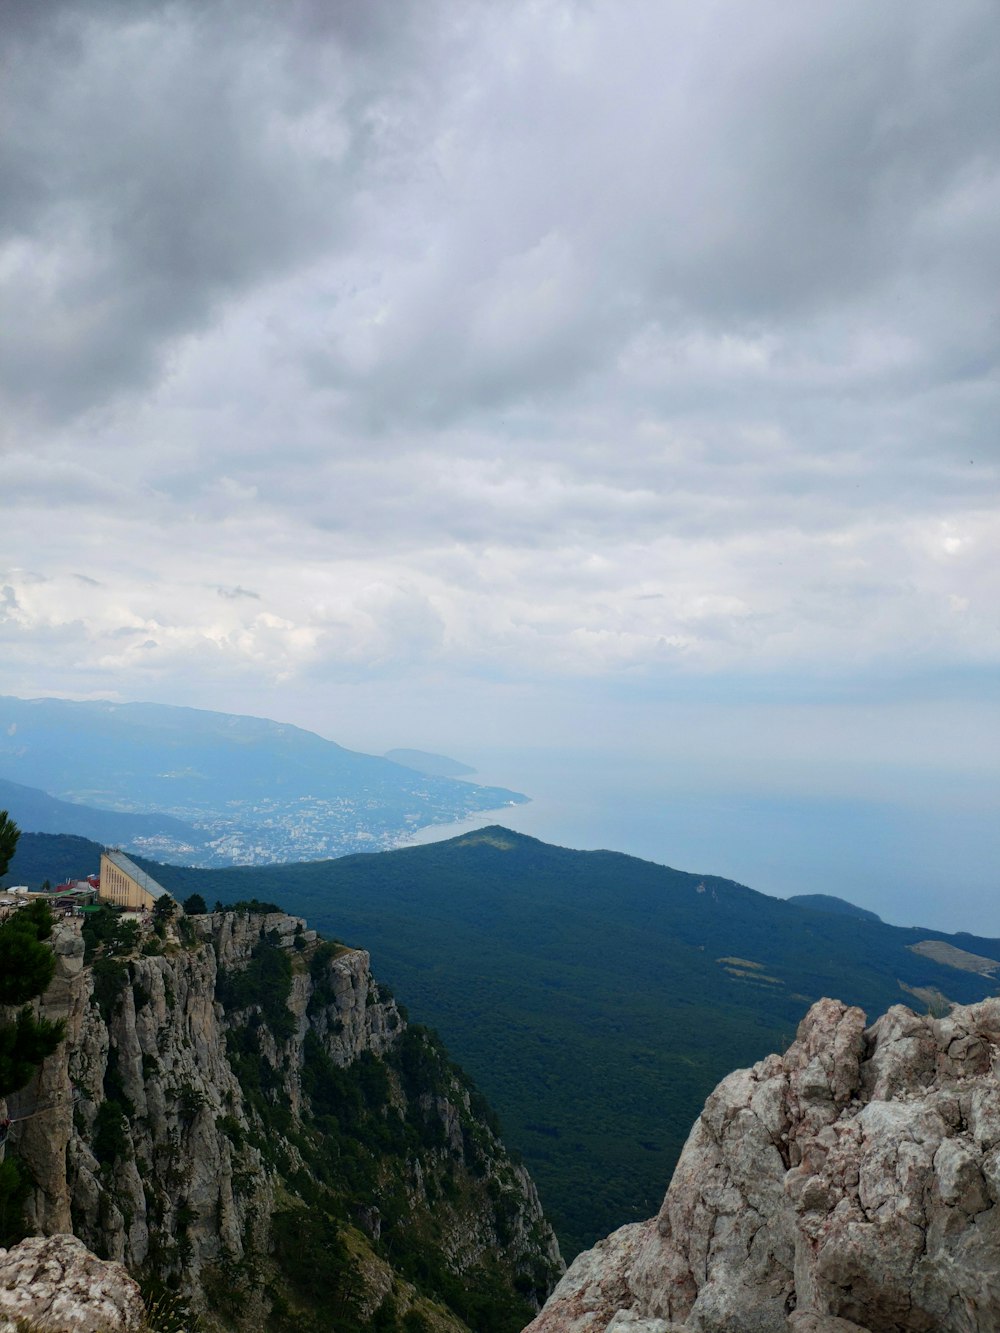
(439, 765)
(256, 791)
(157, 835)
(596, 998)
(827, 902)
(53, 857)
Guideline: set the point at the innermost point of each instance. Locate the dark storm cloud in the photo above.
(159, 159)
(510, 196)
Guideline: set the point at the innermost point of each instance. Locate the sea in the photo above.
(916, 860)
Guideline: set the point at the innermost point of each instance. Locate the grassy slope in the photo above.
(582, 990)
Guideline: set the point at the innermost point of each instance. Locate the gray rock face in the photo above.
(166, 1128)
(162, 1056)
(848, 1185)
(59, 1286)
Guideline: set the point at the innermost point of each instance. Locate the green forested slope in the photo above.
(584, 993)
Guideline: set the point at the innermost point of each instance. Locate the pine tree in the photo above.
(26, 968)
(9, 834)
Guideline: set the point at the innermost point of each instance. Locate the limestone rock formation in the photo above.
(849, 1185)
(240, 1111)
(56, 1284)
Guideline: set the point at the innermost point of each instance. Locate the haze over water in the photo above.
(913, 863)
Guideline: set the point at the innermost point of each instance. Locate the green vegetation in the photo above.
(164, 909)
(378, 1167)
(41, 857)
(9, 834)
(111, 977)
(26, 968)
(194, 905)
(106, 931)
(363, 1129)
(110, 1142)
(322, 993)
(265, 981)
(316, 1264)
(582, 991)
(15, 1186)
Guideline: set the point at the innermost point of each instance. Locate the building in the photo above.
(123, 884)
(75, 893)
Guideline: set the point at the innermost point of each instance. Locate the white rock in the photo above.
(851, 1184)
(56, 1283)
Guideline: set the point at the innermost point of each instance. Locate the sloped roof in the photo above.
(130, 868)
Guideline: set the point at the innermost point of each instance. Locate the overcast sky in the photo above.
(507, 371)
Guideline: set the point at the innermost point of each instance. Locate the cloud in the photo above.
(233, 593)
(565, 341)
(160, 162)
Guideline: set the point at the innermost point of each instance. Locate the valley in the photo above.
(596, 998)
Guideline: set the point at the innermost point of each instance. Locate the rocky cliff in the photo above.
(240, 1111)
(850, 1184)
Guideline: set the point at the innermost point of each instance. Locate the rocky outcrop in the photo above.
(57, 1286)
(850, 1184)
(235, 1091)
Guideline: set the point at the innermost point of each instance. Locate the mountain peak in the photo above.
(828, 902)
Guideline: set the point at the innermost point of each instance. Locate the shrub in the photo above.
(110, 1139)
(267, 981)
(15, 1186)
(110, 977)
(26, 965)
(26, 968)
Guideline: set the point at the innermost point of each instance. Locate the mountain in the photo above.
(243, 1116)
(438, 765)
(596, 998)
(827, 902)
(847, 1186)
(256, 791)
(156, 835)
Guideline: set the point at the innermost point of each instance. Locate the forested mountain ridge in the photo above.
(241, 1113)
(596, 998)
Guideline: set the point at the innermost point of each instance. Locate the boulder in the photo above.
(56, 1284)
(850, 1184)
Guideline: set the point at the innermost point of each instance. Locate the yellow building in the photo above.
(123, 884)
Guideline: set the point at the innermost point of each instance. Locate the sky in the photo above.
(612, 380)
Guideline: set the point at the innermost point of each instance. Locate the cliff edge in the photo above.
(241, 1114)
(850, 1184)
